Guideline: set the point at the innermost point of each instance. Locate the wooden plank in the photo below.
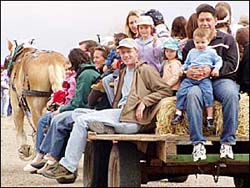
(151, 137)
(165, 148)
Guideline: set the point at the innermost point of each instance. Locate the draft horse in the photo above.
(34, 75)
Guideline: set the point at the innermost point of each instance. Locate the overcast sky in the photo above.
(61, 25)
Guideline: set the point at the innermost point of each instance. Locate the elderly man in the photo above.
(225, 88)
(140, 89)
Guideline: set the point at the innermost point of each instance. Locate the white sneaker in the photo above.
(226, 151)
(29, 168)
(199, 152)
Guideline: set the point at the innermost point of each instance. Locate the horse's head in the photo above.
(17, 50)
(18, 47)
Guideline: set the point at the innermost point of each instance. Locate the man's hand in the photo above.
(139, 111)
(215, 72)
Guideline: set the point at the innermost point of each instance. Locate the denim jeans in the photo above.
(78, 137)
(205, 86)
(43, 122)
(57, 136)
(109, 90)
(5, 101)
(225, 91)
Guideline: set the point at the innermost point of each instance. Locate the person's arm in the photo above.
(175, 77)
(158, 87)
(70, 90)
(229, 57)
(83, 87)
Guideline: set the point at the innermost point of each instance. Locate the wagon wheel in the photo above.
(95, 167)
(124, 166)
(241, 181)
(177, 179)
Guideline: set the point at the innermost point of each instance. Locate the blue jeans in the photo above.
(78, 137)
(109, 90)
(205, 86)
(43, 122)
(225, 91)
(5, 101)
(57, 136)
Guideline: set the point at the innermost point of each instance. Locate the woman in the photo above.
(98, 98)
(131, 24)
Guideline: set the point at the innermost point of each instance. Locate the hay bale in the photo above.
(167, 110)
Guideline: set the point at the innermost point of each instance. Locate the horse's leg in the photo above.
(18, 117)
(36, 105)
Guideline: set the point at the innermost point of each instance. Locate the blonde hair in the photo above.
(203, 33)
(127, 29)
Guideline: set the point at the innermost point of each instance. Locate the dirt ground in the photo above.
(12, 174)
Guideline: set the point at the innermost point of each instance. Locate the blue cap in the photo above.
(173, 44)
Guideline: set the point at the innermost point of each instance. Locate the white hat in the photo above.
(128, 43)
(145, 20)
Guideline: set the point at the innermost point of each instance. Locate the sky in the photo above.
(61, 25)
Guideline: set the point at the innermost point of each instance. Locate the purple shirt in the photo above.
(148, 53)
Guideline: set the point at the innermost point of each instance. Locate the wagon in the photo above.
(129, 160)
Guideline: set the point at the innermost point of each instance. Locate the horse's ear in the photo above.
(10, 45)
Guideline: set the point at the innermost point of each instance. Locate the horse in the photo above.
(34, 75)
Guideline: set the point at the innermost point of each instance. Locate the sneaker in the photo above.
(34, 166)
(177, 119)
(39, 164)
(199, 152)
(58, 172)
(226, 151)
(29, 168)
(100, 128)
(46, 167)
(210, 125)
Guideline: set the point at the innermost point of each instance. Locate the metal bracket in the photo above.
(217, 171)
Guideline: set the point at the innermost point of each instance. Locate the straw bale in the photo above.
(167, 110)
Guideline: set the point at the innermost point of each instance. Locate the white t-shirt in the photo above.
(128, 78)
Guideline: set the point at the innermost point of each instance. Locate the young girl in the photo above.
(150, 47)
(171, 63)
(62, 97)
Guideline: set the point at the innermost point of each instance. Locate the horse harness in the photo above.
(22, 102)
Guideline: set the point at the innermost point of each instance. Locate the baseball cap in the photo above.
(173, 44)
(128, 43)
(145, 20)
(155, 15)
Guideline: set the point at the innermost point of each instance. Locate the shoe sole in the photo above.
(71, 176)
(200, 159)
(39, 165)
(226, 157)
(40, 171)
(100, 128)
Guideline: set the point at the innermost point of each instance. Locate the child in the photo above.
(199, 56)
(62, 97)
(172, 65)
(150, 48)
(161, 29)
(114, 60)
